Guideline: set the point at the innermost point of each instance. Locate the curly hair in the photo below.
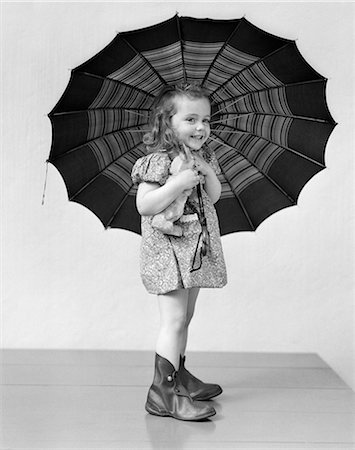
(161, 137)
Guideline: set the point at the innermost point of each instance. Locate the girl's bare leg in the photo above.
(192, 297)
(197, 388)
(173, 312)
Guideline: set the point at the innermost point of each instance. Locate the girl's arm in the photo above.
(212, 185)
(153, 198)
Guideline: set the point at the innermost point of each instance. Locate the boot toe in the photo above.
(207, 392)
(205, 412)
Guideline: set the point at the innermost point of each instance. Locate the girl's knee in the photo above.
(173, 310)
(176, 323)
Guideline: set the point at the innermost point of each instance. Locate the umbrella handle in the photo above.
(204, 237)
(203, 222)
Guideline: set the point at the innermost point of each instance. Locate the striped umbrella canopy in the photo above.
(269, 128)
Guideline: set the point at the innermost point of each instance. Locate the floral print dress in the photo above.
(165, 260)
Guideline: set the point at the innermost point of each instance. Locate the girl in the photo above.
(175, 268)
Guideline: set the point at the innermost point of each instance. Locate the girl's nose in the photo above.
(200, 126)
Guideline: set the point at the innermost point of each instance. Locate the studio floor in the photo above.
(58, 399)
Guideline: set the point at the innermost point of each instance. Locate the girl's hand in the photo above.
(188, 178)
(202, 166)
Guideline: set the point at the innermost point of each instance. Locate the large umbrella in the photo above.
(270, 121)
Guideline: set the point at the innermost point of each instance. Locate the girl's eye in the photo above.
(191, 120)
(207, 121)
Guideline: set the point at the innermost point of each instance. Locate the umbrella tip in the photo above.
(45, 183)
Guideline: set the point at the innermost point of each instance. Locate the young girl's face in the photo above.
(191, 122)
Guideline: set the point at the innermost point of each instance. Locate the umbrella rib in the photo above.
(279, 188)
(270, 88)
(291, 150)
(220, 51)
(100, 77)
(147, 62)
(181, 48)
(101, 171)
(248, 67)
(234, 115)
(118, 207)
(80, 111)
(127, 130)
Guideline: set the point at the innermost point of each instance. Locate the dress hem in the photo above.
(188, 287)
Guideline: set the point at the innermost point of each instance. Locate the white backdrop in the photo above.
(67, 283)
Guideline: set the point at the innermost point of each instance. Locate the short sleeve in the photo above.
(153, 168)
(210, 157)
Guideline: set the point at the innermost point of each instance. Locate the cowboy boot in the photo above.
(168, 397)
(197, 389)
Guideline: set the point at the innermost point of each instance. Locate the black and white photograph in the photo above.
(177, 225)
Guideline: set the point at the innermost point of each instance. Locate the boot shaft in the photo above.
(164, 372)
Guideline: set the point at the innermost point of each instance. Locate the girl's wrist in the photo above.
(179, 185)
